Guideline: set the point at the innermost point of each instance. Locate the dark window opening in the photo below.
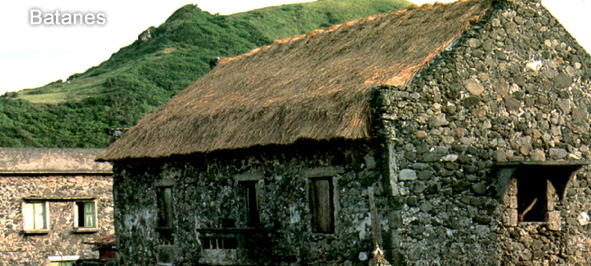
(539, 188)
(322, 205)
(531, 199)
(252, 203)
(164, 208)
(228, 222)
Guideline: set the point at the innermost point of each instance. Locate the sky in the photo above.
(33, 55)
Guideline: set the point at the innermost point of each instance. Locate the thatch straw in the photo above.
(313, 86)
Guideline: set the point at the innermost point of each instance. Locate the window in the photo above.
(35, 216)
(85, 213)
(537, 190)
(322, 205)
(252, 204)
(532, 191)
(164, 208)
(164, 198)
(532, 200)
(63, 260)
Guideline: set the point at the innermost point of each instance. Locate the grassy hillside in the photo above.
(78, 112)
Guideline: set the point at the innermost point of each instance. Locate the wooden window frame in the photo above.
(78, 218)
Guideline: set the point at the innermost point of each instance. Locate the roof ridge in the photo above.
(412, 7)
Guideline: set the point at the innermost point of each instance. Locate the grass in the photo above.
(120, 91)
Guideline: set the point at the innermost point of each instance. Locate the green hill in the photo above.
(80, 111)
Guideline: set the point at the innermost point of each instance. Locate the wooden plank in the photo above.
(324, 210)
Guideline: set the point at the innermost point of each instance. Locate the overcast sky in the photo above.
(34, 55)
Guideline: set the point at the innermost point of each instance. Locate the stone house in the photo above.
(450, 134)
(53, 200)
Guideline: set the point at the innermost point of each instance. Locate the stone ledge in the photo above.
(85, 230)
(36, 231)
(56, 172)
(544, 163)
(327, 171)
(53, 199)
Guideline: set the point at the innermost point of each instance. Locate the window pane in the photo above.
(34, 216)
(28, 216)
(39, 208)
(89, 214)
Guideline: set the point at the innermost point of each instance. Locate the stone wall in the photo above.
(206, 190)
(18, 248)
(512, 88)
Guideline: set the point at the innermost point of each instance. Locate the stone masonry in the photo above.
(206, 191)
(513, 88)
(59, 177)
(482, 159)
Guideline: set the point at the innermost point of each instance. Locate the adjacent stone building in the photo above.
(451, 134)
(53, 200)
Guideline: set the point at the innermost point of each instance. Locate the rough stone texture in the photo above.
(27, 173)
(473, 86)
(54, 159)
(530, 107)
(513, 88)
(206, 191)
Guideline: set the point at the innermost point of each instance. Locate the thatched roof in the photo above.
(314, 86)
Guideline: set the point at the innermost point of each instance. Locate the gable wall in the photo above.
(17, 248)
(514, 88)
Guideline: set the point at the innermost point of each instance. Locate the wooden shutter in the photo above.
(39, 215)
(34, 215)
(28, 216)
(322, 206)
